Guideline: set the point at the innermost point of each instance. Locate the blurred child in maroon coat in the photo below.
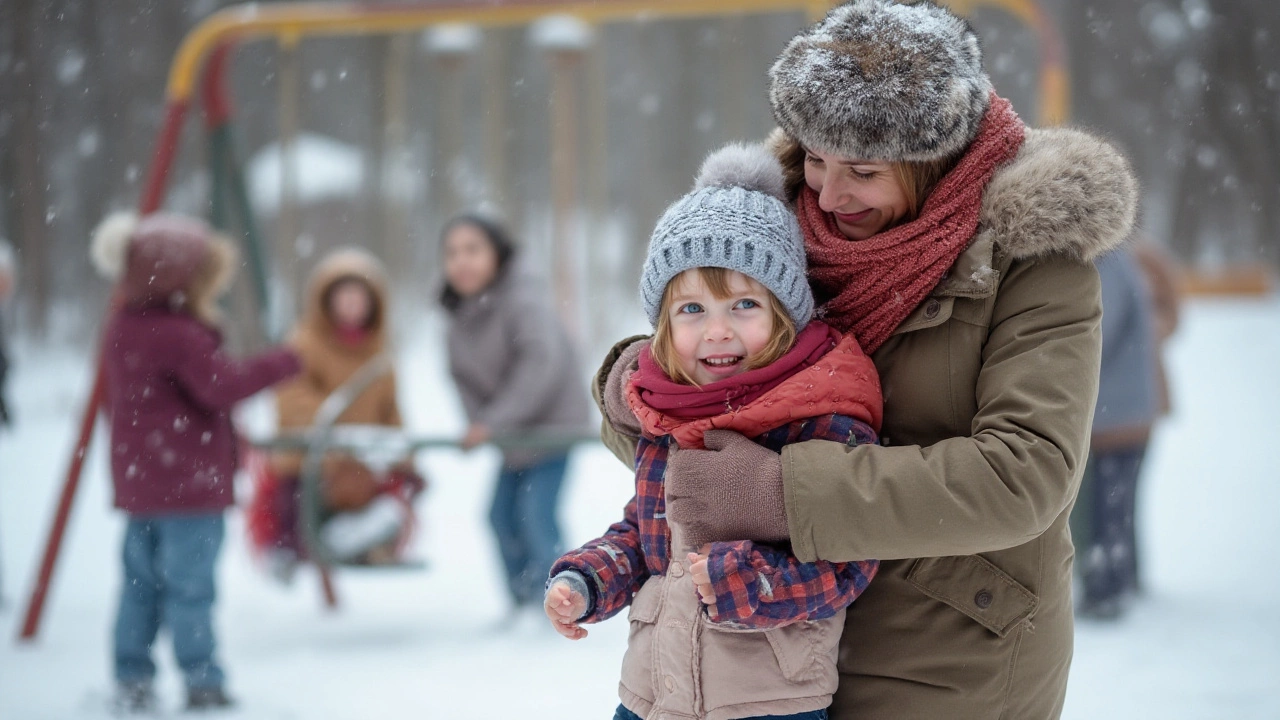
(169, 394)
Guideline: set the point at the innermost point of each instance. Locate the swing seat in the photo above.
(275, 516)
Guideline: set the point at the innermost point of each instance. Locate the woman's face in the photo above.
(864, 196)
(350, 305)
(470, 260)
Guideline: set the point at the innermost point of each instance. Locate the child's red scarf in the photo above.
(868, 287)
(822, 374)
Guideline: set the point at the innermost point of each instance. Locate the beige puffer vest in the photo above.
(680, 664)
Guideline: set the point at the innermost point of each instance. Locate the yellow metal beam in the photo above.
(290, 22)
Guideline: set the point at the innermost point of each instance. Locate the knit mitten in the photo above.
(730, 491)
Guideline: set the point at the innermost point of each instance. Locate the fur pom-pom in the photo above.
(110, 246)
(750, 167)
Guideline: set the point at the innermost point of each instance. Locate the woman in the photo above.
(957, 246)
(513, 365)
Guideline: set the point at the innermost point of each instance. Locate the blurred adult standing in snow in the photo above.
(169, 392)
(957, 245)
(515, 369)
(344, 326)
(1132, 394)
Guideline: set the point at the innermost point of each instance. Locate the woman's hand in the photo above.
(476, 435)
(564, 606)
(702, 581)
(730, 491)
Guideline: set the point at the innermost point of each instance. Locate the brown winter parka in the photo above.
(989, 390)
(328, 362)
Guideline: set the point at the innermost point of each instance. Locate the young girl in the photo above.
(343, 327)
(169, 395)
(738, 629)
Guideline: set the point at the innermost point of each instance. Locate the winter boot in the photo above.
(207, 698)
(135, 698)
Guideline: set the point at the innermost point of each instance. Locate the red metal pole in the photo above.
(151, 197)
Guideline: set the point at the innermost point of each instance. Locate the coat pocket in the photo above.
(804, 651)
(639, 670)
(977, 588)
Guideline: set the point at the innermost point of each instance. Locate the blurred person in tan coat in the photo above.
(343, 327)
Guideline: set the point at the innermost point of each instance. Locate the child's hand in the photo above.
(564, 607)
(702, 581)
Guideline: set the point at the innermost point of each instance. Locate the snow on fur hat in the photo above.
(152, 258)
(882, 80)
(735, 218)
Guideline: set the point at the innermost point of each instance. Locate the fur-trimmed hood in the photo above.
(1066, 193)
(341, 264)
(165, 260)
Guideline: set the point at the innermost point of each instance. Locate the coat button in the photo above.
(932, 308)
(670, 682)
(677, 570)
(983, 599)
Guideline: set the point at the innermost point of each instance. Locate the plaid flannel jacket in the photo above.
(757, 586)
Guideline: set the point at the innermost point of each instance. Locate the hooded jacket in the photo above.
(169, 387)
(771, 648)
(329, 361)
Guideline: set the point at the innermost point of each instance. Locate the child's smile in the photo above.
(715, 337)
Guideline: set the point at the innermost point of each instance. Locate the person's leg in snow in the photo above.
(538, 500)
(505, 520)
(1109, 555)
(138, 617)
(188, 552)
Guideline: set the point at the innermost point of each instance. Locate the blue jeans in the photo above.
(523, 516)
(623, 713)
(168, 580)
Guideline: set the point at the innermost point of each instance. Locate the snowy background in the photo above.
(1203, 644)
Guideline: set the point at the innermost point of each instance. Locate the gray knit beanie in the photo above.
(882, 80)
(735, 218)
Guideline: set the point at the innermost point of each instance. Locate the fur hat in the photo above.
(163, 259)
(882, 80)
(735, 218)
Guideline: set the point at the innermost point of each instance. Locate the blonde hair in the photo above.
(782, 333)
(917, 179)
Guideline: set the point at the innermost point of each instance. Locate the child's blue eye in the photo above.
(748, 304)
(691, 308)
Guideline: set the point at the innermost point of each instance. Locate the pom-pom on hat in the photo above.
(735, 218)
(882, 80)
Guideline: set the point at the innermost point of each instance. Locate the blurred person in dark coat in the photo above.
(1138, 314)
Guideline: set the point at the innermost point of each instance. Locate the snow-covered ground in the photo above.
(1204, 643)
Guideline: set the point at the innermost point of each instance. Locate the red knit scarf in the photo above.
(840, 380)
(869, 287)
(689, 402)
